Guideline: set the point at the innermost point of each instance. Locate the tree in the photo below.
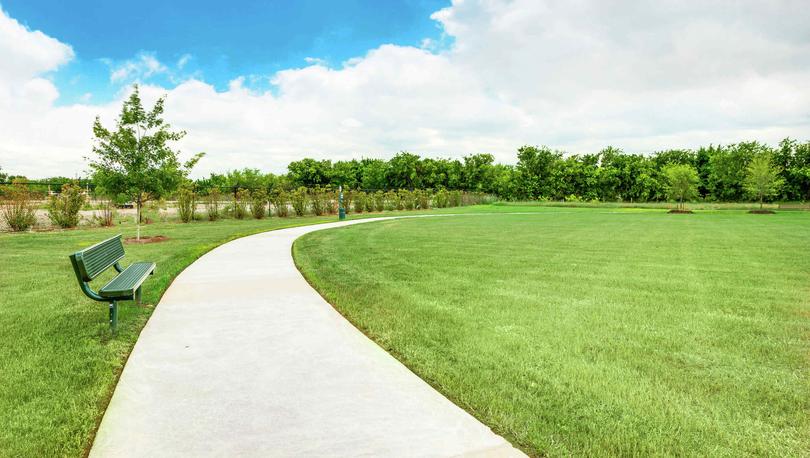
(682, 180)
(762, 177)
(135, 160)
(3, 176)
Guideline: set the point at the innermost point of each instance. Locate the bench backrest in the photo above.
(89, 263)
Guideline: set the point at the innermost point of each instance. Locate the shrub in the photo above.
(17, 208)
(332, 202)
(379, 201)
(442, 199)
(212, 204)
(63, 209)
(455, 198)
(299, 201)
(408, 199)
(318, 200)
(107, 213)
(280, 202)
(424, 199)
(240, 201)
(186, 202)
(391, 199)
(258, 203)
(359, 202)
(348, 200)
(370, 206)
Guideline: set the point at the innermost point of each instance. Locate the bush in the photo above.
(240, 201)
(442, 199)
(370, 202)
(186, 202)
(63, 209)
(379, 201)
(318, 200)
(348, 200)
(332, 202)
(17, 208)
(212, 204)
(359, 202)
(391, 199)
(408, 199)
(424, 199)
(280, 203)
(455, 198)
(107, 209)
(299, 201)
(258, 203)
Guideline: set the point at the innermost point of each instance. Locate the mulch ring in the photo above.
(144, 240)
(680, 212)
(762, 212)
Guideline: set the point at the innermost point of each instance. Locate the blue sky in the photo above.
(216, 41)
(260, 84)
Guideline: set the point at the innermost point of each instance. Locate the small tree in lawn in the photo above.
(762, 178)
(135, 160)
(682, 182)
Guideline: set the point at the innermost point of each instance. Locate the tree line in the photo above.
(545, 174)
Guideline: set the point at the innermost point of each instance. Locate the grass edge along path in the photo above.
(721, 328)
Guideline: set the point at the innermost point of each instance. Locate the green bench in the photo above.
(92, 262)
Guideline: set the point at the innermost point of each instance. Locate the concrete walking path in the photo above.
(243, 358)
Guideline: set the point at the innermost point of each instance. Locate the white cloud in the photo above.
(143, 66)
(573, 75)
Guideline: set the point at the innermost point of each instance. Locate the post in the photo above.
(113, 316)
(341, 210)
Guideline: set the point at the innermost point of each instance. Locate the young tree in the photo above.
(682, 180)
(762, 177)
(135, 160)
(3, 176)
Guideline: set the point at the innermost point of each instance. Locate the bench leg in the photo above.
(138, 296)
(113, 316)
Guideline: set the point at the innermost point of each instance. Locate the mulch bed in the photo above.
(143, 240)
(680, 212)
(762, 212)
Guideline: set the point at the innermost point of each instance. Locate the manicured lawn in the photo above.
(58, 361)
(592, 332)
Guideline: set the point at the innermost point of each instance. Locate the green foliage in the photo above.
(281, 201)
(391, 199)
(369, 200)
(212, 204)
(682, 182)
(106, 215)
(409, 200)
(318, 201)
(299, 201)
(359, 202)
(17, 208)
(424, 198)
(136, 160)
(258, 203)
(186, 202)
(762, 178)
(442, 199)
(63, 208)
(348, 201)
(455, 198)
(379, 201)
(240, 203)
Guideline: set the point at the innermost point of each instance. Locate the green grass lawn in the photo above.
(593, 332)
(58, 360)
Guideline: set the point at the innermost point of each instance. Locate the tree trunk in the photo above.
(760, 201)
(138, 220)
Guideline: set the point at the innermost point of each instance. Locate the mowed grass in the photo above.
(58, 360)
(591, 332)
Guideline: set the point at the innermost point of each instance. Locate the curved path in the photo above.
(243, 358)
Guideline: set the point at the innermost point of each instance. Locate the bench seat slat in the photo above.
(125, 284)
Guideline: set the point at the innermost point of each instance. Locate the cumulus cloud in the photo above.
(571, 75)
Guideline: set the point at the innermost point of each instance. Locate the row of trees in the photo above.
(542, 173)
